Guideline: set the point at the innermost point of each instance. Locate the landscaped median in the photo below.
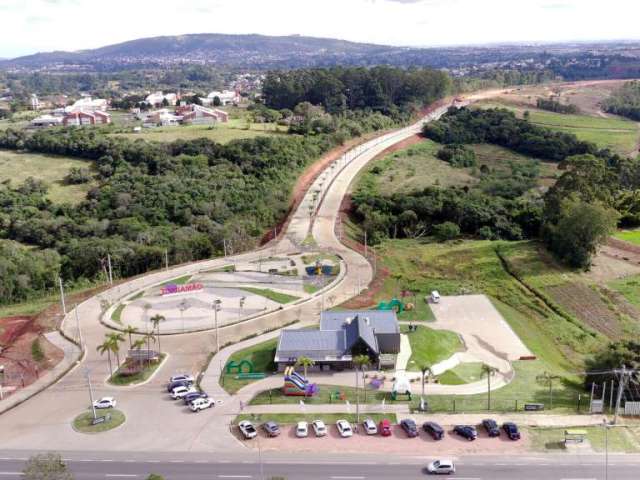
(261, 357)
(132, 372)
(620, 439)
(328, 394)
(113, 418)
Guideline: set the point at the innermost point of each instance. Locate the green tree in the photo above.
(359, 363)
(155, 476)
(488, 371)
(446, 231)
(216, 101)
(49, 466)
(156, 320)
(114, 341)
(425, 370)
(106, 347)
(130, 330)
(305, 363)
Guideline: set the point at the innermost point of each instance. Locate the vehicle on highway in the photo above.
(302, 430)
(441, 467)
(466, 431)
(410, 428)
(370, 427)
(105, 402)
(433, 429)
(271, 428)
(247, 429)
(183, 377)
(384, 427)
(190, 397)
(178, 383)
(344, 428)
(201, 403)
(180, 392)
(491, 426)
(511, 429)
(319, 428)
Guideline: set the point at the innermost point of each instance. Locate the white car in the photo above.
(183, 377)
(302, 429)
(247, 429)
(441, 466)
(344, 428)
(370, 427)
(180, 392)
(105, 402)
(319, 428)
(435, 297)
(201, 403)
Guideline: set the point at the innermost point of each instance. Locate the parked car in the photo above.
(370, 427)
(441, 466)
(466, 431)
(344, 428)
(105, 402)
(180, 392)
(435, 297)
(190, 397)
(410, 427)
(511, 429)
(201, 403)
(384, 427)
(183, 377)
(247, 429)
(302, 430)
(433, 429)
(491, 426)
(178, 383)
(319, 428)
(272, 428)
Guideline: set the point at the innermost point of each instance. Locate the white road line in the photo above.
(177, 461)
(346, 478)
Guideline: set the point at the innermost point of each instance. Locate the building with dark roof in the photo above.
(342, 336)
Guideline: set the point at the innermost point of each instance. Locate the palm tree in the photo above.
(106, 347)
(548, 378)
(130, 330)
(155, 320)
(425, 369)
(489, 371)
(149, 337)
(305, 363)
(137, 345)
(359, 362)
(114, 340)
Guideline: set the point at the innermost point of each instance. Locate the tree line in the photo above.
(625, 101)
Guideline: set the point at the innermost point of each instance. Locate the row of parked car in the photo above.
(383, 428)
(182, 387)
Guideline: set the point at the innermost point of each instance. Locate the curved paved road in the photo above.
(154, 421)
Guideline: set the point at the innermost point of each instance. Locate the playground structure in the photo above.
(394, 304)
(319, 269)
(239, 367)
(296, 385)
(401, 386)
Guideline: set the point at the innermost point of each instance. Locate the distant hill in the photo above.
(254, 51)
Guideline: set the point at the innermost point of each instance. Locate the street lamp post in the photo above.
(242, 299)
(217, 305)
(606, 449)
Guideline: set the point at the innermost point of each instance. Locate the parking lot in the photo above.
(398, 443)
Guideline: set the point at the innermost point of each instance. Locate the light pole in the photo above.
(242, 299)
(93, 407)
(606, 448)
(183, 306)
(217, 305)
(64, 307)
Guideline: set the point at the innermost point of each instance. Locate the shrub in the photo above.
(446, 231)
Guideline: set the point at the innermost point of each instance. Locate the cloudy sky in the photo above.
(29, 26)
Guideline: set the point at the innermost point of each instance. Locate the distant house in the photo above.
(35, 102)
(44, 121)
(161, 118)
(227, 97)
(156, 99)
(198, 115)
(342, 336)
(88, 105)
(81, 118)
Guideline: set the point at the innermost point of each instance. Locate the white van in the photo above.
(435, 297)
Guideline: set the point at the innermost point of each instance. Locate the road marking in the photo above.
(177, 461)
(347, 478)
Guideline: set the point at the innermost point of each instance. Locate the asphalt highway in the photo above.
(314, 467)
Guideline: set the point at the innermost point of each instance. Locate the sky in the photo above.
(30, 26)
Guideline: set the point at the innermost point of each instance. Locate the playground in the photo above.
(227, 295)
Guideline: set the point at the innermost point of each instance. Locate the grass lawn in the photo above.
(430, 346)
(272, 295)
(82, 423)
(117, 313)
(310, 288)
(328, 418)
(620, 439)
(261, 355)
(177, 281)
(462, 373)
(631, 236)
(18, 166)
(629, 287)
(140, 377)
(327, 394)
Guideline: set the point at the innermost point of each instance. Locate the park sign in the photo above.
(174, 289)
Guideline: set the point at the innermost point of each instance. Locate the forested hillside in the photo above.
(625, 101)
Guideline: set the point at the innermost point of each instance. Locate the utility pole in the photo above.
(621, 387)
(110, 271)
(216, 307)
(224, 245)
(166, 259)
(78, 327)
(64, 307)
(93, 408)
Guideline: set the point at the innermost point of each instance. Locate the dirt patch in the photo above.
(616, 259)
(586, 304)
(397, 443)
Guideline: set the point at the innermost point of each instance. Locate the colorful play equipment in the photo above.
(239, 367)
(296, 385)
(319, 269)
(401, 386)
(394, 304)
